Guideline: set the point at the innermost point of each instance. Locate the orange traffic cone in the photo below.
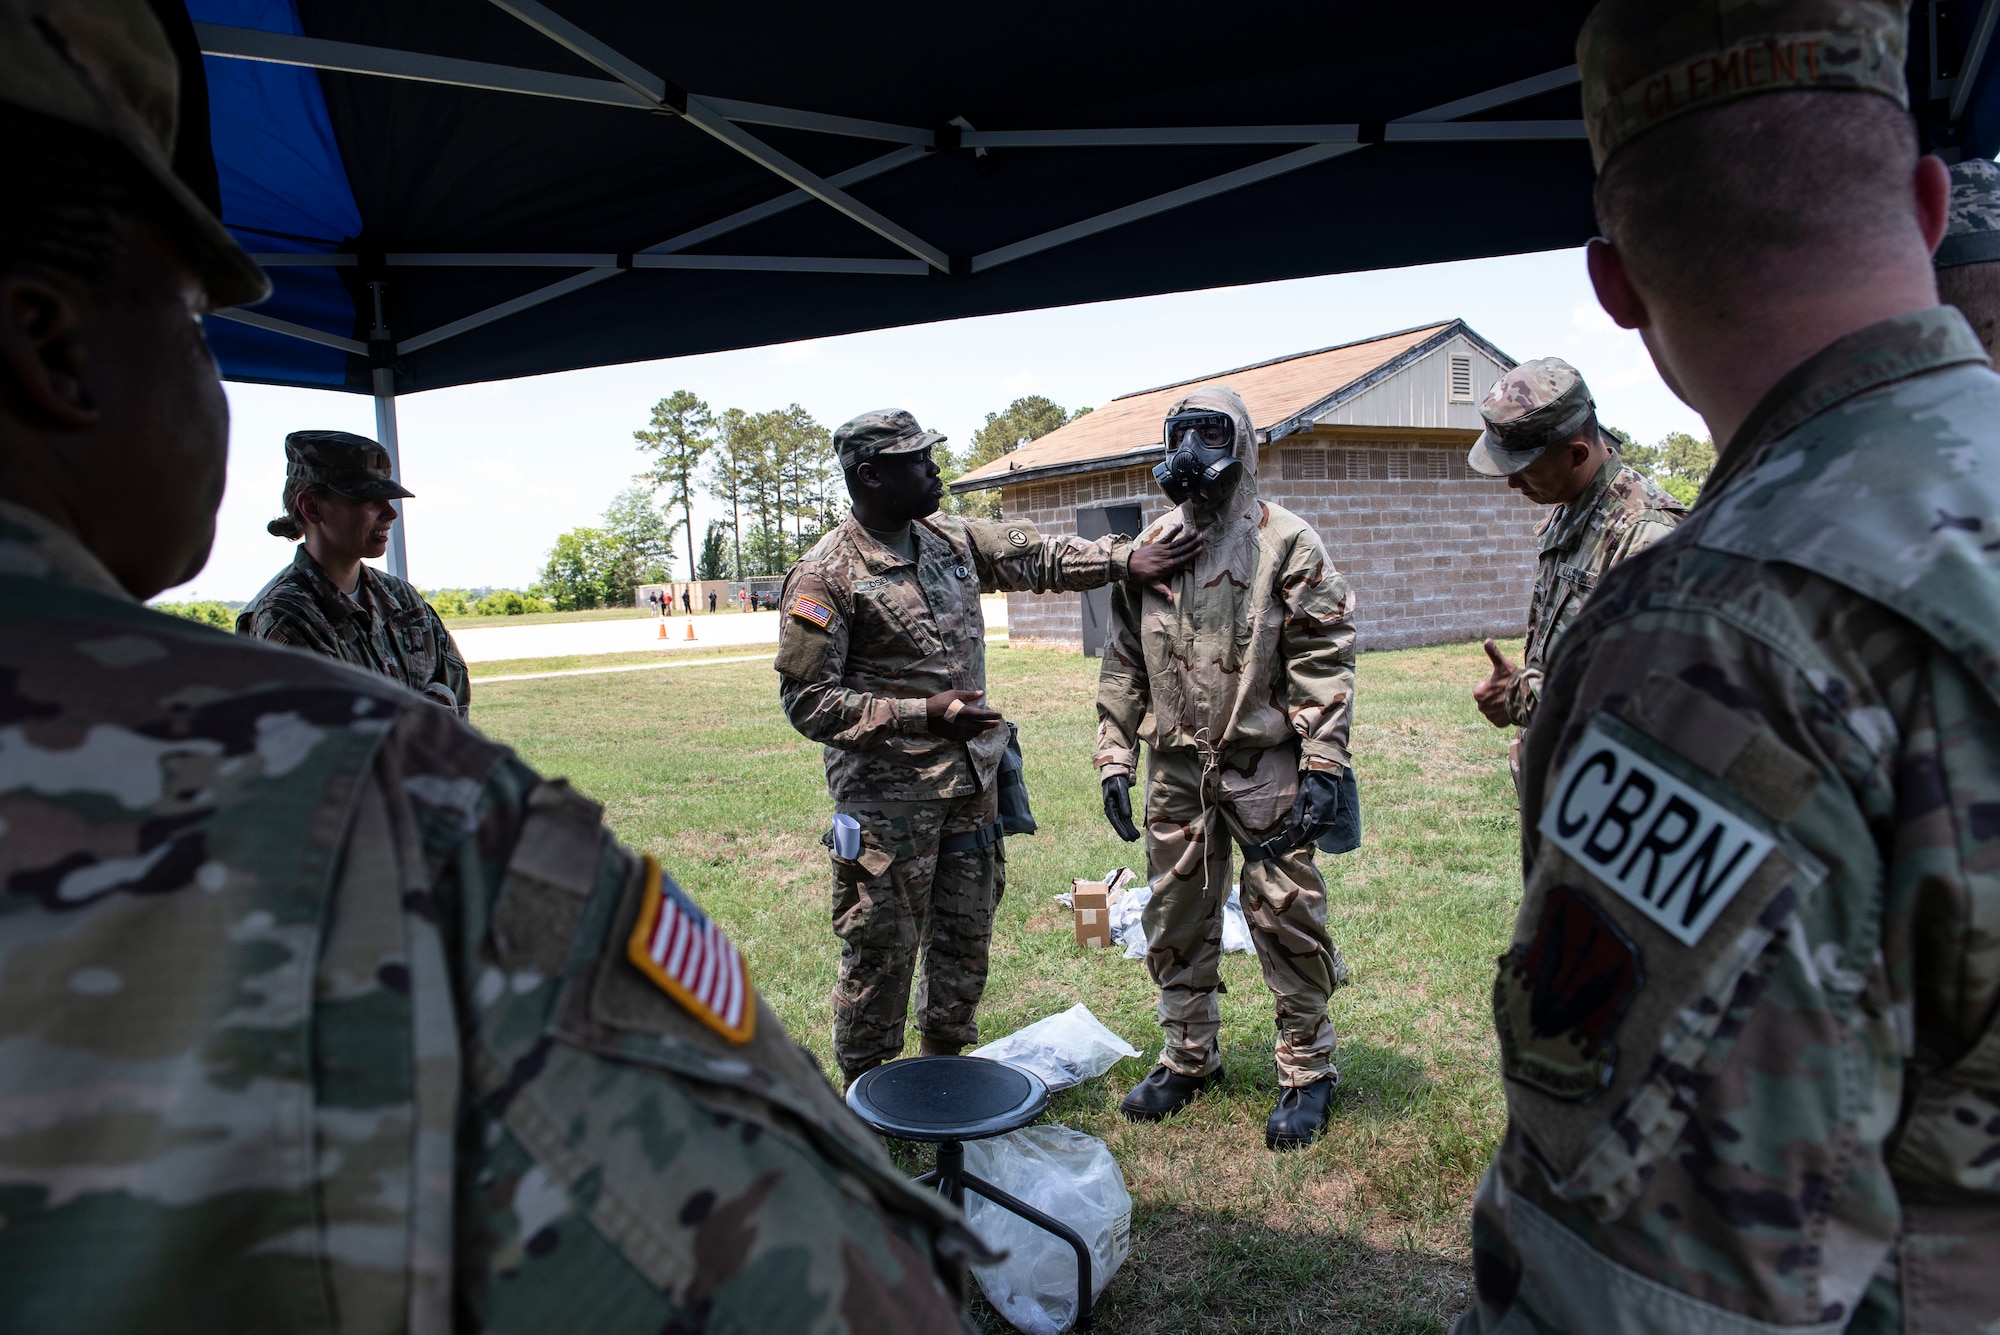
(663, 630)
(690, 628)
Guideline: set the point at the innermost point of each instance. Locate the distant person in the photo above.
(882, 658)
(1968, 259)
(711, 602)
(743, 600)
(337, 498)
(1543, 436)
(1748, 1019)
(687, 603)
(1240, 681)
(322, 1011)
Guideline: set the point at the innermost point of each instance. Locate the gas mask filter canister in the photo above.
(1192, 464)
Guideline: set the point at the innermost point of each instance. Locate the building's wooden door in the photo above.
(1094, 522)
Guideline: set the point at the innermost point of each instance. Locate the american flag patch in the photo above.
(676, 946)
(817, 613)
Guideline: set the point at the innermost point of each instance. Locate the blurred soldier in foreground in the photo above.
(1240, 680)
(1748, 1021)
(1968, 259)
(882, 658)
(337, 499)
(318, 1010)
(1542, 435)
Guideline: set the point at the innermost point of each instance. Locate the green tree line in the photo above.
(776, 474)
(1679, 462)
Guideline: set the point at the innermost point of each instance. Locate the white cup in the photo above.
(846, 836)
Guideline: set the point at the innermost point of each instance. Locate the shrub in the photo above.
(208, 612)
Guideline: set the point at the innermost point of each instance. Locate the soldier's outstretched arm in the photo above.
(1123, 691)
(1014, 558)
(640, 1144)
(1317, 642)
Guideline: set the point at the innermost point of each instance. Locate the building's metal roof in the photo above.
(1284, 394)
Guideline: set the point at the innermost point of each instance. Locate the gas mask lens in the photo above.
(1201, 454)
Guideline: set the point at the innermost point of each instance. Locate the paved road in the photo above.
(560, 639)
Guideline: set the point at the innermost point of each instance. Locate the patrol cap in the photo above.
(1973, 233)
(1644, 62)
(883, 431)
(352, 465)
(1533, 406)
(106, 65)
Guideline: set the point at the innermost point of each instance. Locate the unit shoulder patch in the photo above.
(1661, 844)
(1018, 538)
(811, 609)
(676, 946)
(1557, 1004)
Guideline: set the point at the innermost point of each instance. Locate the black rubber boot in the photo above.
(1300, 1116)
(1164, 1092)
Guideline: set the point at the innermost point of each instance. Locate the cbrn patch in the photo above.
(1557, 1004)
(1668, 849)
(675, 945)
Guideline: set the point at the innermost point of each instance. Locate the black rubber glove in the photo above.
(1118, 806)
(1327, 812)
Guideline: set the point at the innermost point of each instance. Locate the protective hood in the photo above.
(1239, 501)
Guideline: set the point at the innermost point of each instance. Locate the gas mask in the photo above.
(1201, 454)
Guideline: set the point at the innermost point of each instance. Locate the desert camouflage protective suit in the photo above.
(316, 1016)
(1244, 679)
(1750, 1021)
(896, 632)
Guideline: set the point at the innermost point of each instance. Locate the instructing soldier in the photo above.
(882, 659)
(1240, 680)
(337, 499)
(318, 1010)
(1968, 259)
(1747, 1024)
(1543, 436)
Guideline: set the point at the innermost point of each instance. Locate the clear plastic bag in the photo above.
(1063, 1173)
(1235, 928)
(1128, 926)
(1064, 1050)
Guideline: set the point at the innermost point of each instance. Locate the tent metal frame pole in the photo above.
(385, 433)
(1975, 57)
(383, 379)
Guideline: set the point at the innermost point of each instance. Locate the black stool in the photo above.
(950, 1100)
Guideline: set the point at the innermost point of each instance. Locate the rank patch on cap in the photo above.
(807, 610)
(676, 946)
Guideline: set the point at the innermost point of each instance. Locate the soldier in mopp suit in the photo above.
(319, 1011)
(882, 659)
(1749, 1023)
(1543, 436)
(1240, 680)
(337, 493)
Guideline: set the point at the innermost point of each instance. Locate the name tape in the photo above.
(1664, 847)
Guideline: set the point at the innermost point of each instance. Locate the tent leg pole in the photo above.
(385, 432)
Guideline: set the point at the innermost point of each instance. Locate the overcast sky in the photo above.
(500, 469)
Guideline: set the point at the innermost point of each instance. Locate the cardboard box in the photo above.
(1090, 902)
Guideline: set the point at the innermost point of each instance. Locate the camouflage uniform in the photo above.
(896, 633)
(316, 1014)
(1621, 512)
(386, 627)
(1750, 1021)
(1973, 235)
(1240, 682)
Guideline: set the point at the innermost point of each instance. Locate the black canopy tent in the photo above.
(453, 191)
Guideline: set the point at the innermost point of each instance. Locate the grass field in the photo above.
(1366, 1231)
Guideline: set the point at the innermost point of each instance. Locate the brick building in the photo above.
(1365, 441)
